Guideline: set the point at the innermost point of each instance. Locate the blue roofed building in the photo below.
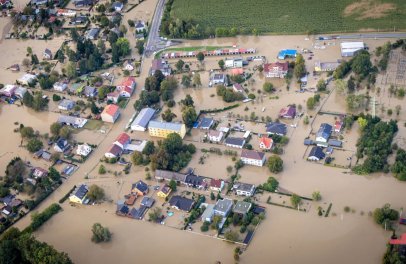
(140, 123)
(316, 154)
(287, 53)
(324, 133)
(275, 128)
(79, 194)
(206, 123)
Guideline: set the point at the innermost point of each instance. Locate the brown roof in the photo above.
(215, 183)
(115, 150)
(165, 189)
(131, 199)
(252, 154)
(282, 66)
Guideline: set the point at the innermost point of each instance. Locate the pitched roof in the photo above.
(238, 87)
(276, 128)
(165, 189)
(317, 152)
(252, 154)
(147, 202)
(170, 175)
(141, 186)
(115, 150)
(206, 122)
(216, 183)
(246, 187)
(143, 117)
(223, 205)
(123, 138)
(242, 207)
(235, 141)
(266, 141)
(182, 203)
(324, 131)
(281, 66)
(81, 191)
(165, 125)
(215, 133)
(289, 111)
(194, 180)
(111, 109)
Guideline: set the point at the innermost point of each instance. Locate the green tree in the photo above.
(168, 115)
(65, 132)
(212, 196)
(316, 196)
(321, 85)
(196, 80)
(100, 233)
(188, 101)
(102, 169)
(124, 46)
(149, 148)
(271, 185)
(221, 64)
(172, 184)
(275, 164)
(231, 235)
(189, 116)
(137, 158)
(362, 122)
(361, 63)
(300, 68)
(186, 81)
(155, 214)
(28, 99)
(34, 145)
(95, 193)
(27, 132)
(310, 103)
(200, 57)
(179, 65)
(295, 200)
(29, 50)
(385, 215)
(70, 70)
(55, 128)
(268, 87)
(140, 46)
(54, 174)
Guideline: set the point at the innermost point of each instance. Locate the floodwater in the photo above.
(286, 236)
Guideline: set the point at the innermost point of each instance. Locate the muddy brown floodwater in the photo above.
(286, 236)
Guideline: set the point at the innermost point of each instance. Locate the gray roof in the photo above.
(276, 128)
(182, 203)
(66, 103)
(170, 175)
(235, 141)
(92, 33)
(206, 122)
(147, 202)
(165, 125)
(317, 152)
(246, 187)
(223, 206)
(242, 207)
(335, 143)
(208, 212)
(324, 131)
(252, 154)
(143, 117)
(81, 191)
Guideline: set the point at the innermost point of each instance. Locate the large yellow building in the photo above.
(163, 129)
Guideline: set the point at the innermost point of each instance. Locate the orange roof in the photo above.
(267, 142)
(128, 82)
(401, 241)
(111, 109)
(123, 138)
(237, 71)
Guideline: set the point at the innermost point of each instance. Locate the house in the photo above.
(164, 191)
(324, 132)
(60, 86)
(242, 207)
(195, 181)
(252, 157)
(147, 202)
(308, 142)
(223, 207)
(83, 3)
(140, 26)
(288, 112)
(206, 123)
(128, 66)
(233, 63)
(136, 145)
(92, 33)
(16, 203)
(170, 175)
(329, 150)
(38, 2)
(140, 188)
(83, 150)
(349, 49)
(8, 90)
(113, 152)
(163, 129)
(76, 88)
(335, 143)
(215, 135)
(140, 123)
(117, 6)
(137, 213)
(66, 105)
(287, 53)
(129, 82)
(113, 96)
(275, 128)
(325, 66)
(122, 140)
(7, 210)
(39, 172)
(66, 12)
(208, 213)
(122, 210)
(162, 66)
(15, 68)
(47, 54)
(316, 154)
(79, 194)
(76, 122)
(338, 126)
(234, 142)
(131, 199)
(219, 79)
(61, 145)
(7, 199)
(27, 78)
(181, 203)
(265, 143)
(19, 92)
(238, 88)
(244, 189)
(78, 20)
(276, 69)
(110, 113)
(216, 185)
(90, 91)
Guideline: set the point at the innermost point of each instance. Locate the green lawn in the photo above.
(292, 16)
(92, 124)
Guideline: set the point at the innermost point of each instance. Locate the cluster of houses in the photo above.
(123, 145)
(10, 205)
(325, 141)
(219, 52)
(13, 91)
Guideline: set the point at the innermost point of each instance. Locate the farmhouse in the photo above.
(140, 123)
(216, 185)
(127, 82)
(215, 136)
(139, 188)
(163, 129)
(234, 142)
(287, 53)
(122, 140)
(349, 49)
(276, 69)
(206, 123)
(110, 113)
(219, 78)
(162, 66)
(316, 154)
(113, 152)
(66, 105)
(252, 157)
(75, 122)
(325, 66)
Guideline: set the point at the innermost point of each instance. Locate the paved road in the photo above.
(376, 35)
(154, 42)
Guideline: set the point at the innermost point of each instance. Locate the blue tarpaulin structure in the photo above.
(290, 53)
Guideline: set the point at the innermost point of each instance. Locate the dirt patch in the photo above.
(369, 9)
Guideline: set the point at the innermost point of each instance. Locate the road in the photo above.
(154, 41)
(376, 35)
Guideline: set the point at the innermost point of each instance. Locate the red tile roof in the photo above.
(215, 183)
(115, 150)
(282, 66)
(267, 142)
(128, 82)
(123, 138)
(338, 125)
(111, 109)
(252, 154)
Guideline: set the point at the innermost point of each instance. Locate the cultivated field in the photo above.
(288, 17)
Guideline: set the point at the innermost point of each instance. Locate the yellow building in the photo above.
(163, 129)
(164, 191)
(79, 194)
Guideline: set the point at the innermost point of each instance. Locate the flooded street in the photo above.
(285, 236)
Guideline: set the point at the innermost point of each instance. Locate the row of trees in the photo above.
(399, 167)
(229, 95)
(36, 101)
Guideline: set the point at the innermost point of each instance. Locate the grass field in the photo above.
(293, 16)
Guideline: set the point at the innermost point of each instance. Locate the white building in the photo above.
(234, 63)
(215, 136)
(252, 157)
(27, 78)
(60, 86)
(349, 49)
(83, 150)
(140, 123)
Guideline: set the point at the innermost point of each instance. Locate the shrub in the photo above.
(100, 233)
